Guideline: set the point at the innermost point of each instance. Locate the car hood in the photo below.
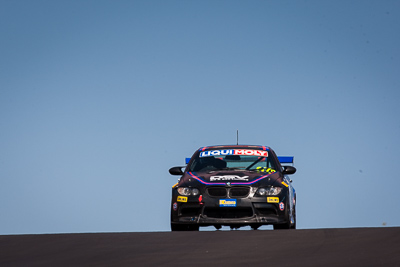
(234, 177)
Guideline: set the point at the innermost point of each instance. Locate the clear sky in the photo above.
(98, 99)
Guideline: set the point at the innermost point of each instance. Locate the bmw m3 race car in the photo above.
(235, 186)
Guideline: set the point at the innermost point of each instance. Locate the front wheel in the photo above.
(294, 218)
(288, 223)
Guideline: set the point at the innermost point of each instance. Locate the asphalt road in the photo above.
(320, 247)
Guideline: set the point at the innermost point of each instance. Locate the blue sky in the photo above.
(98, 99)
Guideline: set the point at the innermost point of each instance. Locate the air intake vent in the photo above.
(232, 213)
(239, 191)
(216, 191)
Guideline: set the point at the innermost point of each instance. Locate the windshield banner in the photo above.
(225, 152)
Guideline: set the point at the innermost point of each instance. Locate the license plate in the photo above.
(273, 199)
(227, 202)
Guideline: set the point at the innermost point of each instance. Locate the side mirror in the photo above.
(176, 170)
(289, 169)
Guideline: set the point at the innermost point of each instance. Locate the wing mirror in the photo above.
(288, 169)
(176, 170)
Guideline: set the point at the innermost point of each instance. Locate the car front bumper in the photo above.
(207, 210)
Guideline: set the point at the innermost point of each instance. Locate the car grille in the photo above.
(230, 213)
(267, 212)
(265, 209)
(238, 192)
(190, 211)
(216, 191)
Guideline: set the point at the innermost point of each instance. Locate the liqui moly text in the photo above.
(243, 152)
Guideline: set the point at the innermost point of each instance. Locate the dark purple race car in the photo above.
(236, 185)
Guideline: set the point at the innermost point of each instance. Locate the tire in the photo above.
(287, 224)
(184, 227)
(294, 218)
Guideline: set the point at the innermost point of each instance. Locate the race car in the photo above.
(235, 186)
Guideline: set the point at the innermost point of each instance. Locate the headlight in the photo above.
(269, 191)
(186, 191)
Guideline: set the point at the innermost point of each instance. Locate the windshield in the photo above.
(233, 159)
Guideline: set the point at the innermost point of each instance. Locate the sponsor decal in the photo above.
(285, 184)
(181, 199)
(273, 199)
(265, 169)
(228, 178)
(281, 206)
(194, 176)
(175, 206)
(225, 152)
(227, 202)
